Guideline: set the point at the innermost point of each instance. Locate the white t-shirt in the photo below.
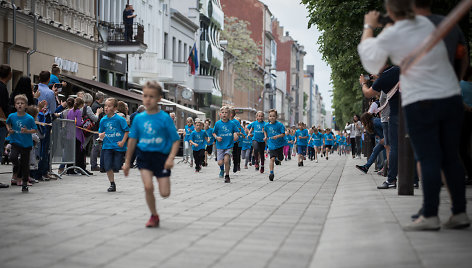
(430, 78)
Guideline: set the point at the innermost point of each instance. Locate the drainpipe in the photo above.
(14, 33)
(35, 32)
(97, 11)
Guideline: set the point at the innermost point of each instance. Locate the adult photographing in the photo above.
(432, 104)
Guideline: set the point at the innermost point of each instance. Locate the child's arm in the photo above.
(129, 153)
(265, 135)
(192, 143)
(278, 136)
(173, 152)
(9, 129)
(28, 131)
(123, 141)
(236, 135)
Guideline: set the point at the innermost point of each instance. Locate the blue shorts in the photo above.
(153, 161)
(301, 149)
(112, 159)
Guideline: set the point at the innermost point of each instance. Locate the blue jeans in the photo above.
(43, 166)
(393, 156)
(377, 150)
(434, 127)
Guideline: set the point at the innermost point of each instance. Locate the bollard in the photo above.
(406, 161)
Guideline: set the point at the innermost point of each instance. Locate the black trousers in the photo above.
(465, 144)
(199, 157)
(236, 155)
(20, 158)
(259, 148)
(353, 146)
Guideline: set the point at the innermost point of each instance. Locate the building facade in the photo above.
(40, 33)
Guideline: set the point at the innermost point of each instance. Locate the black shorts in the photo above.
(277, 153)
(209, 149)
(153, 161)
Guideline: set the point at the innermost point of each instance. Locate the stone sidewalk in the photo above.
(325, 214)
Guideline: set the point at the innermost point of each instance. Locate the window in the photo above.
(180, 51)
(166, 51)
(174, 54)
(185, 52)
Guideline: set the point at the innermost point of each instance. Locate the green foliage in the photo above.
(245, 51)
(305, 99)
(341, 22)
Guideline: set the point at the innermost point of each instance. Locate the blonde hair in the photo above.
(154, 85)
(260, 112)
(224, 108)
(115, 101)
(21, 97)
(189, 119)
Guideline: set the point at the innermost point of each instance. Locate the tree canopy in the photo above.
(245, 51)
(341, 24)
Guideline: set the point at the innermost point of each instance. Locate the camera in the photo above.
(368, 77)
(384, 20)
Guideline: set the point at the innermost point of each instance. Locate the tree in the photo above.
(245, 51)
(340, 22)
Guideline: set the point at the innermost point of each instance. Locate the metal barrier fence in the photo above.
(62, 150)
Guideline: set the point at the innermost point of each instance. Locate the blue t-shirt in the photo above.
(272, 130)
(318, 139)
(114, 128)
(247, 143)
(466, 88)
(53, 80)
(198, 137)
(338, 139)
(188, 131)
(258, 132)
(342, 140)
(225, 130)
(302, 133)
(154, 132)
(239, 127)
(329, 139)
(24, 140)
(291, 138)
(209, 133)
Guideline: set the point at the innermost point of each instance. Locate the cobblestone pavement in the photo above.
(324, 214)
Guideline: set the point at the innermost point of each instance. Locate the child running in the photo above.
(155, 135)
(274, 132)
(189, 128)
(113, 131)
(225, 133)
(329, 140)
(289, 140)
(210, 142)
(21, 126)
(198, 139)
(246, 146)
(256, 131)
(301, 137)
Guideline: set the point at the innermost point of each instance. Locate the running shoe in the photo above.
(227, 179)
(423, 224)
(153, 222)
(458, 221)
(222, 173)
(262, 169)
(271, 177)
(24, 189)
(362, 168)
(112, 188)
(257, 167)
(316, 161)
(387, 185)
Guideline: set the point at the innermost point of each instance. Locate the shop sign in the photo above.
(67, 65)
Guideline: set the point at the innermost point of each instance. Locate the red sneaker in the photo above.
(262, 169)
(153, 221)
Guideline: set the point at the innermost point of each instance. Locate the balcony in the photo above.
(150, 66)
(203, 84)
(180, 72)
(126, 39)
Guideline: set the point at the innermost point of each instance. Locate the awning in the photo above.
(94, 86)
(199, 114)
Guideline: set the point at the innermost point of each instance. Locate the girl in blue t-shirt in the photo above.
(189, 128)
(155, 135)
(210, 143)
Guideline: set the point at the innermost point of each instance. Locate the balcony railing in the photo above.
(128, 33)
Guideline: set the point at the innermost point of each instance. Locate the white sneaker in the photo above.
(316, 161)
(459, 221)
(423, 224)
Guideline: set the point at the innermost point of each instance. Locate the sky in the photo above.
(293, 16)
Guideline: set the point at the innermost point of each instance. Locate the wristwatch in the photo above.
(368, 26)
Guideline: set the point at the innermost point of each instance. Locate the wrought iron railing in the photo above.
(125, 33)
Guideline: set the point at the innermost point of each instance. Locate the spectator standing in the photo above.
(97, 147)
(432, 104)
(465, 148)
(76, 114)
(5, 76)
(355, 132)
(49, 96)
(128, 17)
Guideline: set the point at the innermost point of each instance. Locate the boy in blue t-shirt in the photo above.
(210, 142)
(329, 141)
(21, 126)
(155, 135)
(301, 139)
(256, 131)
(189, 128)
(198, 140)
(246, 148)
(225, 132)
(113, 130)
(237, 146)
(274, 132)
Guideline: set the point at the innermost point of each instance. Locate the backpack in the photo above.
(87, 122)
